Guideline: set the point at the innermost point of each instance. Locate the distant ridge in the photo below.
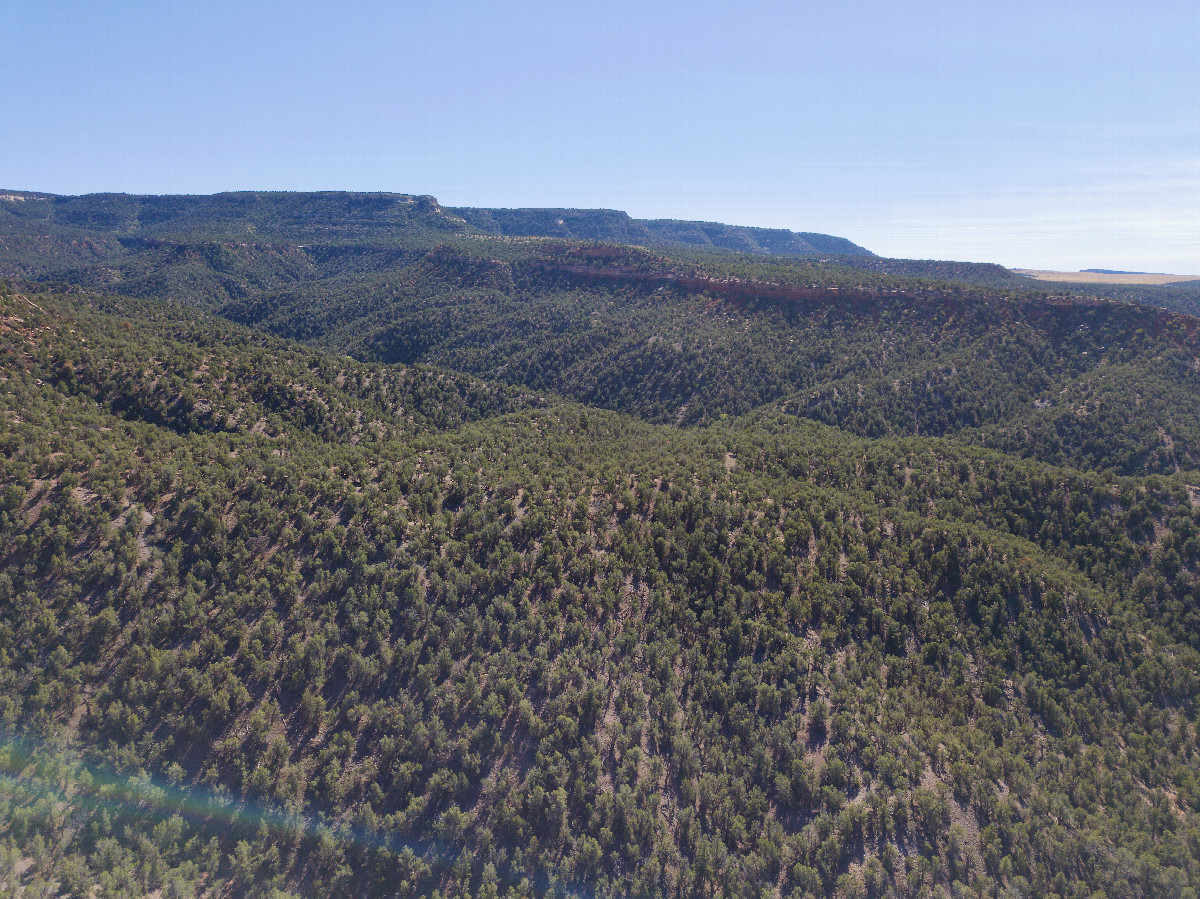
(336, 216)
(382, 217)
(614, 225)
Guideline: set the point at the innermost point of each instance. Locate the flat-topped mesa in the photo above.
(615, 226)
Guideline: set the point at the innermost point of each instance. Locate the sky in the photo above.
(1048, 134)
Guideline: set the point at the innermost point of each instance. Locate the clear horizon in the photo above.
(1049, 136)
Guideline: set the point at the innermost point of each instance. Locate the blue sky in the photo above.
(1039, 134)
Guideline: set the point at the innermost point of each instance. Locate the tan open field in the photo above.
(1098, 278)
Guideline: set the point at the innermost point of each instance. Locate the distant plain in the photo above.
(1106, 277)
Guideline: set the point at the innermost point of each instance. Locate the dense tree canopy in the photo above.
(621, 589)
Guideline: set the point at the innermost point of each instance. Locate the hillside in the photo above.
(422, 561)
(918, 364)
(1179, 297)
(984, 274)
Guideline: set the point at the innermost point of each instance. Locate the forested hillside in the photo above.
(1104, 385)
(1180, 297)
(478, 565)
